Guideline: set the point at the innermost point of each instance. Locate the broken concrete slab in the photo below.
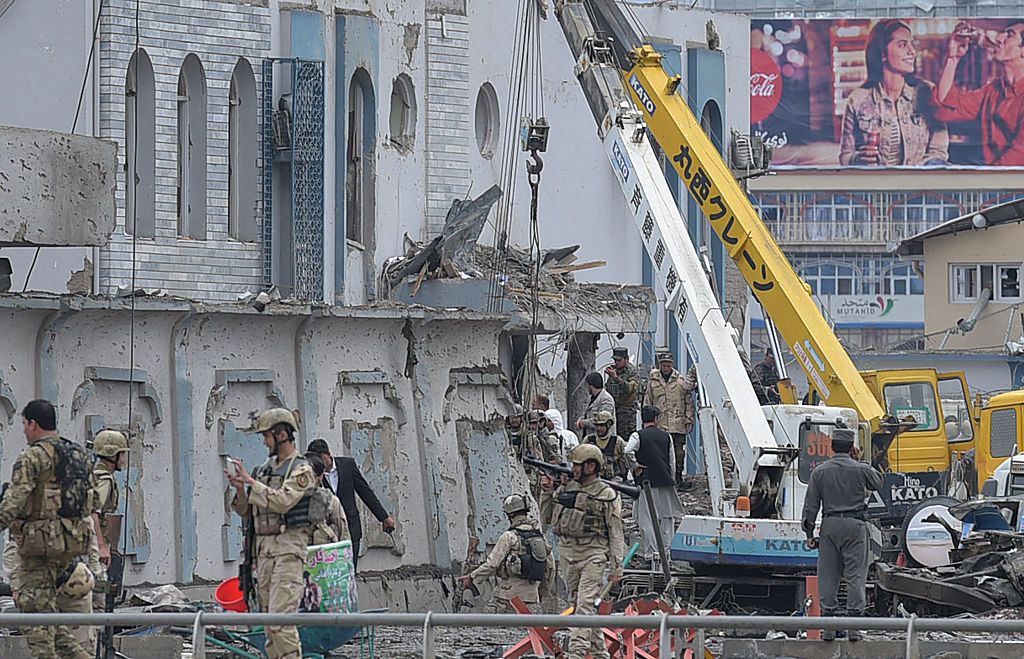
(56, 189)
(745, 648)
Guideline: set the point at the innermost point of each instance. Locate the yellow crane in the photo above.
(900, 410)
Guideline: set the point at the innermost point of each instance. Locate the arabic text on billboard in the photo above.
(916, 92)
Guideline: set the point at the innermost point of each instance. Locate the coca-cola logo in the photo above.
(765, 85)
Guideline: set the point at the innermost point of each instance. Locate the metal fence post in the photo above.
(198, 637)
(664, 642)
(698, 641)
(911, 637)
(428, 637)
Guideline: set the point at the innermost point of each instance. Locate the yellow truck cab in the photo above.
(938, 403)
(1002, 432)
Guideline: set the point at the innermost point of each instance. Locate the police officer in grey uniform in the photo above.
(839, 487)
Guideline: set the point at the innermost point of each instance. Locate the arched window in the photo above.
(402, 119)
(831, 278)
(912, 214)
(243, 139)
(901, 279)
(838, 217)
(192, 149)
(711, 122)
(487, 120)
(359, 192)
(140, 146)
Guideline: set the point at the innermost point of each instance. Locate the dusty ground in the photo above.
(407, 643)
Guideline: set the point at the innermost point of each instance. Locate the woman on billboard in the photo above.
(889, 121)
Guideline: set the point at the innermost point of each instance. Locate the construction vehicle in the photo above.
(774, 447)
(903, 409)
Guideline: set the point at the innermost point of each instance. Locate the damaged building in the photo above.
(260, 226)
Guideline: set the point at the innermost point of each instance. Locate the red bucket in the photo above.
(229, 595)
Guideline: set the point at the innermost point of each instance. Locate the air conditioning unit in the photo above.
(750, 156)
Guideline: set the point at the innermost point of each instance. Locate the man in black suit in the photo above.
(344, 479)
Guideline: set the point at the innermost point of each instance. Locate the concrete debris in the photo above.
(158, 596)
(80, 282)
(450, 252)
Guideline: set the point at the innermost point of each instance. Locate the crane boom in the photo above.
(747, 240)
(710, 340)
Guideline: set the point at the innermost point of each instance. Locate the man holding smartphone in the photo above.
(275, 500)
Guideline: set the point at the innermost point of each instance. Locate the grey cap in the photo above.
(844, 436)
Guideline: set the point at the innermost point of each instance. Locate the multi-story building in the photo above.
(301, 145)
(838, 224)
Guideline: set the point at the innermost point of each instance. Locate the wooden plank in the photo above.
(586, 265)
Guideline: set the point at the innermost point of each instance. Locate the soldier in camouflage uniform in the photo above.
(81, 578)
(623, 384)
(79, 593)
(276, 503)
(538, 443)
(672, 393)
(111, 449)
(612, 446)
(515, 429)
(505, 561)
(586, 514)
(48, 514)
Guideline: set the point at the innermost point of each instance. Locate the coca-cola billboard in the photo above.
(867, 93)
(765, 85)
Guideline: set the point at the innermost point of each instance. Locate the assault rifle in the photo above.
(565, 470)
(115, 579)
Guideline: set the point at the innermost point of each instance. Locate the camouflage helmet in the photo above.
(604, 418)
(109, 443)
(533, 416)
(666, 356)
(515, 504)
(585, 452)
(275, 416)
(517, 410)
(79, 582)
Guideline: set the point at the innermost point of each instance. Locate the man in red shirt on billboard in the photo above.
(999, 104)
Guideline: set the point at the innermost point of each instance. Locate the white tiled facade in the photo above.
(219, 33)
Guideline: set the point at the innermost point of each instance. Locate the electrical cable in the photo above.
(7, 9)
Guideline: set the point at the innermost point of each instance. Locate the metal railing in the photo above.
(430, 621)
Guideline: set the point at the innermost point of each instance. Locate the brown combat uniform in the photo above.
(500, 563)
(588, 521)
(280, 552)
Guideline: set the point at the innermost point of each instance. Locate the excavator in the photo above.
(902, 414)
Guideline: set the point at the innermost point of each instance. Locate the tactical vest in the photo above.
(41, 530)
(528, 560)
(268, 523)
(579, 514)
(612, 463)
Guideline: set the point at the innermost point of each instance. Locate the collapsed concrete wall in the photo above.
(56, 188)
(415, 396)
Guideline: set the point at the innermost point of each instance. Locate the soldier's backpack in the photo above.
(533, 558)
(74, 475)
